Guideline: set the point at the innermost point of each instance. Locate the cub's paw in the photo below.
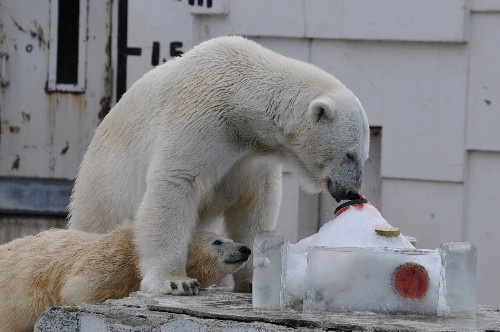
(243, 286)
(172, 285)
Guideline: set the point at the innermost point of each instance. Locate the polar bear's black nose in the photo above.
(245, 250)
(353, 195)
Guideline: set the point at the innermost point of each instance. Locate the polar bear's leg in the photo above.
(256, 210)
(163, 227)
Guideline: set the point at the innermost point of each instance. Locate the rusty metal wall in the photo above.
(44, 133)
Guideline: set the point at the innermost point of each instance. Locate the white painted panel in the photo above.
(275, 18)
(296, 48)
(351, 63)
(483, 222)
(430, 211)
(289, 209)
(416, 92)
(161, 21)
(483, 107)
(410, 20)
(485, 5)
(99, 80)
(206, 27)
(298, 216)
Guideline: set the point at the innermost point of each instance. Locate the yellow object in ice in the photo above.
(388, 231)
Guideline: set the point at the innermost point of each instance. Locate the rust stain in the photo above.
(52, 165)
(18, 26)
(3, 123)
(26, 116)
(16, 163)
(38, 34)
(14, 129)
(105, 103)
(65, 149)
(3, 36)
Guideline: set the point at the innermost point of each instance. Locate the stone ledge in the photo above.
(226, 311)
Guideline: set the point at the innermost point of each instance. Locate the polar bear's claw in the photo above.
(180, 286)
(188, 287)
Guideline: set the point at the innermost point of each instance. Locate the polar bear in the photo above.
(204, 136)
(62, 267)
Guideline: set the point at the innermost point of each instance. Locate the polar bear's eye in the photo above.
(217, 242)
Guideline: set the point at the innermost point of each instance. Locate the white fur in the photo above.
(63, 267)
(204, 135)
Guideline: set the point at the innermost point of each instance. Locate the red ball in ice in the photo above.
(410, 281)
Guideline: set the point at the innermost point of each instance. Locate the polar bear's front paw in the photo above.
(172, 285)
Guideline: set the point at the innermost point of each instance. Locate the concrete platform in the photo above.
(226, 311)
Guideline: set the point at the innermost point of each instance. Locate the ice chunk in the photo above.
(458, 279)
(355, 227)
(373, 279)
(349, 266)
(294, 274)
(267, 270)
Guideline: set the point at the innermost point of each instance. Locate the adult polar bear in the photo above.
(203, 136)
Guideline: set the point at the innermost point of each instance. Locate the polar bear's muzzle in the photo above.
(340, 193)
(238, 257)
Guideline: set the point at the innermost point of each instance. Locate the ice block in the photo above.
(293, 288)
(359, 262)
(458, 279)
(373, 279)
(267, 270)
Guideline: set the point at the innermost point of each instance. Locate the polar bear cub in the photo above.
(62, 267)
(204, 136)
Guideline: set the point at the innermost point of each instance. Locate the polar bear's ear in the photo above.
(321, 110)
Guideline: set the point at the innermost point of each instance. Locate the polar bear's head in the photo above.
(331, 142)
(211, 257)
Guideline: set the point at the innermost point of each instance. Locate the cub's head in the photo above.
(330, 143)
(212, 257)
